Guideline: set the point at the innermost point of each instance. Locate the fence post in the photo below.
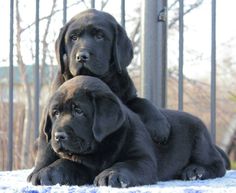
(92, 4)
(154, 51)
(181, 56)
(213, 71)
(123, 13)
(36, 72)
(64, 11)
(11, 78)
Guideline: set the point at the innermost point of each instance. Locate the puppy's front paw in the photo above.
(159, 139)
(35, 178)
(31, 176)
(56, 173)
(193, 172)
(48, 176)
(112, 178)
(160, 136)
(159, 130)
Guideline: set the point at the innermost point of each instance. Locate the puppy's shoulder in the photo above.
(135, 123)
(139, 142)
(137, 129)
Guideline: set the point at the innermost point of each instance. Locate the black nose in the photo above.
(82, 56)
(61, 136)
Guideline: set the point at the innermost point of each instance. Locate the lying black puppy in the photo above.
(96, 137)
(93, 137)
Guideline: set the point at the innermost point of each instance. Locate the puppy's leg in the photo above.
(201, 172)
(45, 153)
(57, 82)
(155, 122)
(127, 174)
(225, 158)
(193, 172)
(205, 162)
(63, 172)
(45, 156)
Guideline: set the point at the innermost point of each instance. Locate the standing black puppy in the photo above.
(93, 43)
(94, 138)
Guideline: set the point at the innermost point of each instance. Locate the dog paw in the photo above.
(55, 173)
(47, 176)
(112, 178)
(160, 140)
(193, 172)
(29, 178)
(159, 137)
(34, 177)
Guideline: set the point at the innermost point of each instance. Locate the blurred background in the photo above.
(28, 64)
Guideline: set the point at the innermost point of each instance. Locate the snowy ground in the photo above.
(15, 181)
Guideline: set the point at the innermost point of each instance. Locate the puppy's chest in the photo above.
(112, 150)
(96, 162)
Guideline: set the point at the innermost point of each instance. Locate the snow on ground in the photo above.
(15, 181)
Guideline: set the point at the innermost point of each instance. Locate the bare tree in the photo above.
(188, 9)
(26, 85)
(45, 43)
(25, 159)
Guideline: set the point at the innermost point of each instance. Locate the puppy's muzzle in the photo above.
(60, 137)
(82, 56)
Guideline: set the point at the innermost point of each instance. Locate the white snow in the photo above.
(15, 181)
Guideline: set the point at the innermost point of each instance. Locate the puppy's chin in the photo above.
(84, 160)
(86, 69)
(66, 152)
(70, 156)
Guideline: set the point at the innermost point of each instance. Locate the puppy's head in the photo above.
(82, 113)
(93, 43)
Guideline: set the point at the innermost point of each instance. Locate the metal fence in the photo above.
(154, 59)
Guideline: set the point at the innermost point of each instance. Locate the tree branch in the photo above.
(22, 68)
(173, 4)
(49, 16)
(191, 7)
(103, 4)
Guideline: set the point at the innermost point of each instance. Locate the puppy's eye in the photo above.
(55, 113)
(77, 111)
(73, 37)
(99, 35)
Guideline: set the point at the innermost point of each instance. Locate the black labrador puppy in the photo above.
(93, 138)
(93, 43)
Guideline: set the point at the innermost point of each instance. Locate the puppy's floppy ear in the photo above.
(61, 54)
(108, 116)
(46, 124)
(122, 49)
